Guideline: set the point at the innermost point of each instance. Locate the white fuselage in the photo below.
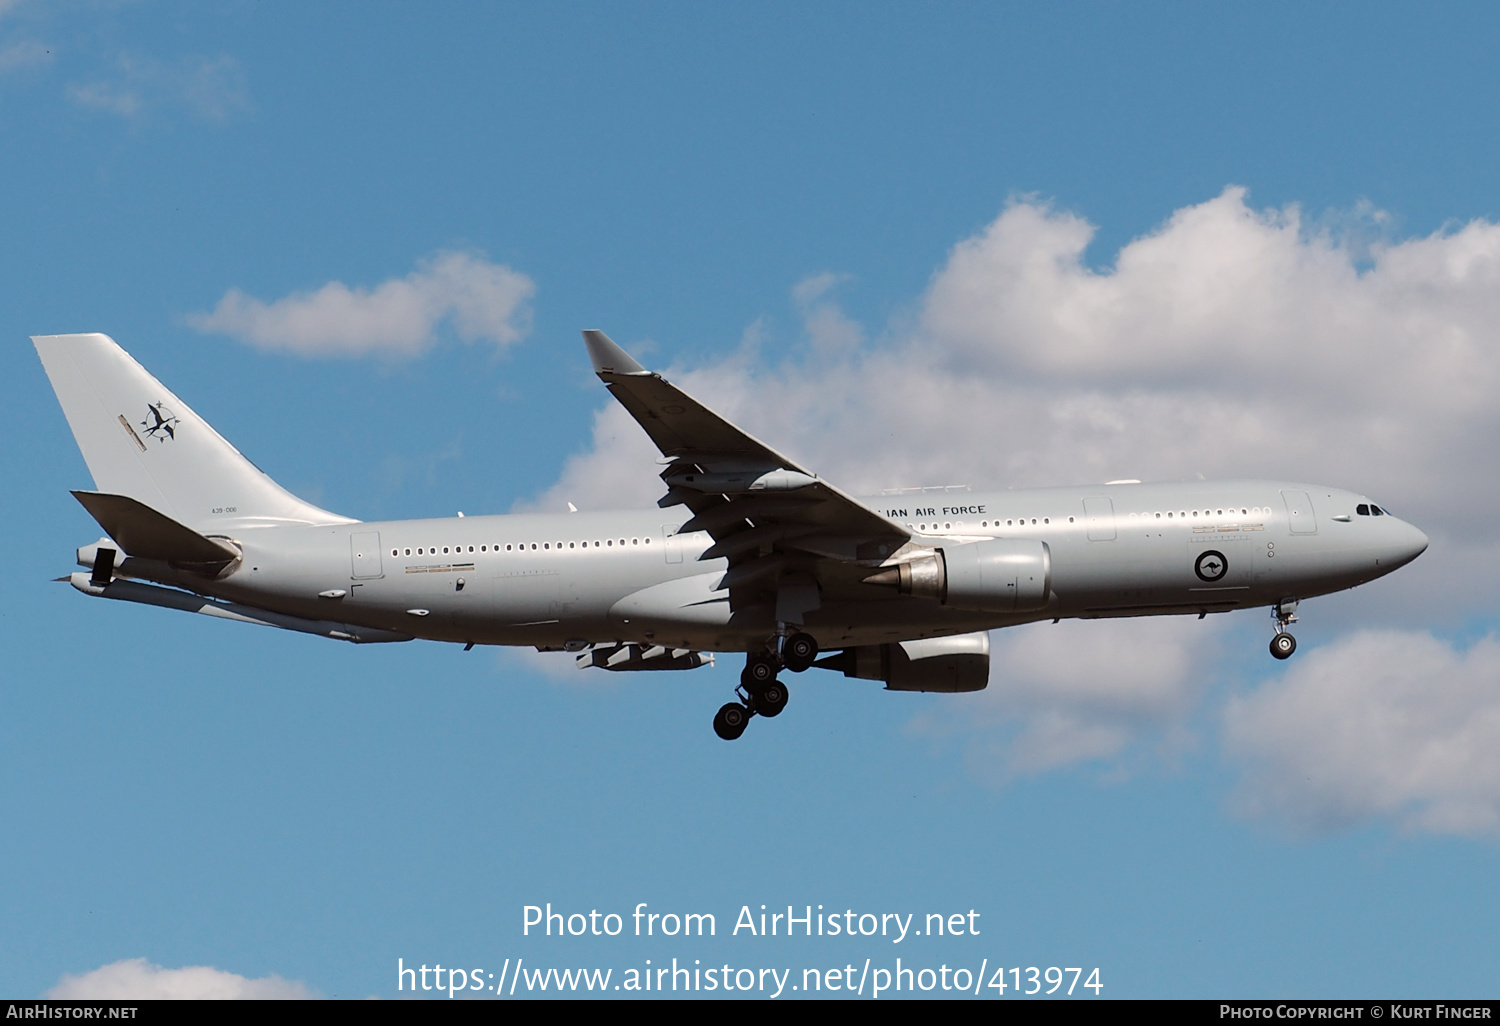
(549, 580)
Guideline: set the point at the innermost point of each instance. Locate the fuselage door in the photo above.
(1299, 512)
(1099, 514)
(673, 540)
(364, 554)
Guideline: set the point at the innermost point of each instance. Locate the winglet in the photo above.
(609, 357)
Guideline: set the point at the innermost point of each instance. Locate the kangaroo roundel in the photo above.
(1211, 566)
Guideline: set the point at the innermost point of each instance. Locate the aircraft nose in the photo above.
(1408, 544)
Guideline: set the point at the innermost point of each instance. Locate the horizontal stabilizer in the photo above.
(146, 534)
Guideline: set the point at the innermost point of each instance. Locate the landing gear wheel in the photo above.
(730, 721)
(760, 670)
(799, 651)
(1283, 645)
(771, 698)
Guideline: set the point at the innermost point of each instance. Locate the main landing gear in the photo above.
(1283, 644)
(760, 692)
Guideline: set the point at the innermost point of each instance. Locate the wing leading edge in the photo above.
(789, 536)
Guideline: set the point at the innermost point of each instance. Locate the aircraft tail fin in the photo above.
(142, 442)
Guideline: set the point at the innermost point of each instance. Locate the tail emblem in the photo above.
(159, 422)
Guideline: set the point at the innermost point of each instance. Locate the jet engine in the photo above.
(1003, 575)
(958, 663)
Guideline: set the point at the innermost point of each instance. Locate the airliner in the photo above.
(747, 551)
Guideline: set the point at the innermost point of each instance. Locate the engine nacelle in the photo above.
(958, 663)
(1004, 575)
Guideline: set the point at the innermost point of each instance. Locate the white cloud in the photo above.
(1230, 342)
(1081, 691)
(1389, 724)
(829, 331)
(591, 483)
(210, 88)
(398, 317)
(214, 87)
(136, 979)
(112, 97)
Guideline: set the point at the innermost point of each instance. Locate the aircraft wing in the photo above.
(770, 517)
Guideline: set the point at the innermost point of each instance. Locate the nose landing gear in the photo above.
(1283, 644)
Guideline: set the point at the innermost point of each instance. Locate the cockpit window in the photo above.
(1376, 510)
(1363, 509)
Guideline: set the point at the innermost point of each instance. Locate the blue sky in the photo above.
(1014, 245)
